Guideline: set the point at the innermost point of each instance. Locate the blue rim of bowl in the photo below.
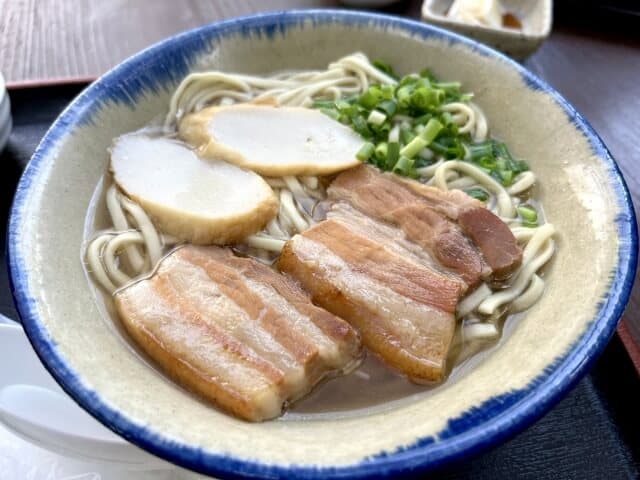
(425, 454)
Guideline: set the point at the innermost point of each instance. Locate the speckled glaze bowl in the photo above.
(498, 394)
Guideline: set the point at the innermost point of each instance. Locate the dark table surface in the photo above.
(594, 432)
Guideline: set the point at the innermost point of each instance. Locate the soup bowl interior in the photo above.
(541, 354)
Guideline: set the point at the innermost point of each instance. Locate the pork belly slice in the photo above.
(391, 237)
(491, 235)
(404, 310)
(235, 331)
(457, 230)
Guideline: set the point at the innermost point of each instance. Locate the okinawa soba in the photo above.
(273, 229)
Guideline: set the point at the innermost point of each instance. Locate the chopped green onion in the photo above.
(410, 79)
(426, 73)
(381, 152)
(519, 166)
(423, 83)
(456, 150)
(413, 147)
(394, 133)
(324, 104)
(528, 214)
(405, 128)
(389, 107)
(447, 119)
(449, 147)
(487, 162)
(376, 117)
(343, 105)
(403, 94)
(365, 152)
(360, 126)
(406, 135)
(380, 131)
(403, 166)
(438, 147)
(419, 162)
(480, 150)
(478, 193)
(506, 177)
(387, 91)
(426, 153)
(448, 86)
(331, 112)
(371, 97)
(424, 98)
(422, 119)
(451, 91)
(393, 153)
(501, 150)
(384, 68)
(431, 131)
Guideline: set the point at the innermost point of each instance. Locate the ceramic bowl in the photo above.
(540, 357)
(535, 16)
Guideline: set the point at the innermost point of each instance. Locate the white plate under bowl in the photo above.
(539, 358)
(33, 406)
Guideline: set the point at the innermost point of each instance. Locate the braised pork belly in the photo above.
(394, 258)
(235, 331)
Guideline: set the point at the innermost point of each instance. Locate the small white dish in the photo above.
(5, 114)
(34, 407)
(535, 16)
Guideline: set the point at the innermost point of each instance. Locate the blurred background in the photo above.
(63, 40)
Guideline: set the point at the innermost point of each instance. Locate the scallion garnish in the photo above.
(393, 153)
(365, 152)
(481, 150)
(376, 118)
(488, 163)
(394, 133)
(381, 153)
(360, 125)
(506, 176)
(404, 167)
(478, 193)
(431, 130)
(388, 106)
(528, 214)
(414, 146)
(384, 67)
(400, 121)
(406, 135)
